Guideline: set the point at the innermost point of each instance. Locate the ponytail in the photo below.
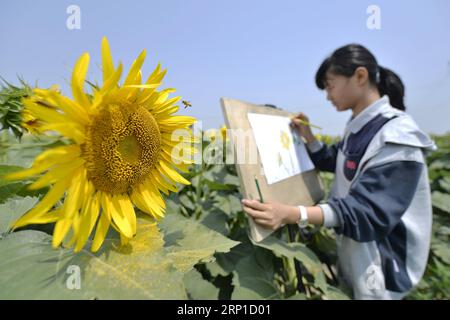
(391, 85)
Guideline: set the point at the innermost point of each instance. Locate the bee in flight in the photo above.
(186, 104)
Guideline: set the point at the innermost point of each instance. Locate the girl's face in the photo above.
(342, 91)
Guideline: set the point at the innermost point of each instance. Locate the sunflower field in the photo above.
(143, 227)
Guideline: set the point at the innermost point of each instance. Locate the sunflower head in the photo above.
(217, 134)
(223, 132)
(285, 140)
(120, 154)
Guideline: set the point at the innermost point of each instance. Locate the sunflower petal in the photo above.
(128, 211)
(48, 217)
(156, 77)
(71, 109)
(150, 185)
(135, 68)
(89, 217)
(163, 106)
(62, 227)
(108, 86)
(78, 77)
(107, 62)
(100, 232)
(69, 130)
(147, 202)
(44, 113)
(163, 184)
(74, 198)
(142, 86)
(47, 202)
(113, 80)
(157, 97)
(57, 173)
(113, 207)
(178, 121)
(172, 174)
(70, 209)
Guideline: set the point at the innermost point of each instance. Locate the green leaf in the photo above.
(297, 296)
(199, 288)
(254, 277)
(190, 242)
(440, 164)
(4, 170)
(228, 203)
(217, 178)
(445, 184)
(213, 185)
(242, 293)
(23, 154)
(292, 250)
(334, 293)
(215, 269)
(442, 250)
(186, 202)
(13, 209)
(172, 204)
(226, 262)
(223, 204)
(215, 220)
(30, 268)
(10, 189)
(441, 201)
(146, 268)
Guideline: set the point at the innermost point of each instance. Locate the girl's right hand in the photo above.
(302, 129)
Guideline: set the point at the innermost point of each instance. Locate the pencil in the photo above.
(307, 123)
(259, 190)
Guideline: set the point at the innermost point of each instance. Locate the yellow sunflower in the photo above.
(285, 140)
(119, 154)
(223, 132)
(220, 133)
(31, 123)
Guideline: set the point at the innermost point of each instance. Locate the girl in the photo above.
(379, 204)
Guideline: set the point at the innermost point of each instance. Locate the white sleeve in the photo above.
(314, 146)
(330, 218)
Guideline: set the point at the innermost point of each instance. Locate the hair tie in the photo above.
(377, 75)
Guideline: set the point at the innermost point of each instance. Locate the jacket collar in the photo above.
(379, 106)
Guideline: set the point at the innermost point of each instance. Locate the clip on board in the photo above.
(303, 188)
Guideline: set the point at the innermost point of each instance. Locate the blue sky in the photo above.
(255, 50)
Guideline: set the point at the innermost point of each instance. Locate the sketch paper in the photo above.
(283, 153)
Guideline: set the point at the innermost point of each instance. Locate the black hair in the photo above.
(346, 59)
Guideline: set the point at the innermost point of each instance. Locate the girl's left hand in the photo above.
(270, 215)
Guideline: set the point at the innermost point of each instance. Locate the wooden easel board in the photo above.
(305, 188)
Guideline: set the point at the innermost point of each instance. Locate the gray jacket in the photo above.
(380, 202)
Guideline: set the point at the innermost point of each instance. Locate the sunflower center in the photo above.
(129, 149)
(123, 144)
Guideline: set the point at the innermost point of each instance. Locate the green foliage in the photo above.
(13, 209)
(436, 282)
(15, 155)
(156, 264)
(251, 270)
(201, 249)
(11, 106)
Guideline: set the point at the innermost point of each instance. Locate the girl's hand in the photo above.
(302, 129)
(271, 215)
